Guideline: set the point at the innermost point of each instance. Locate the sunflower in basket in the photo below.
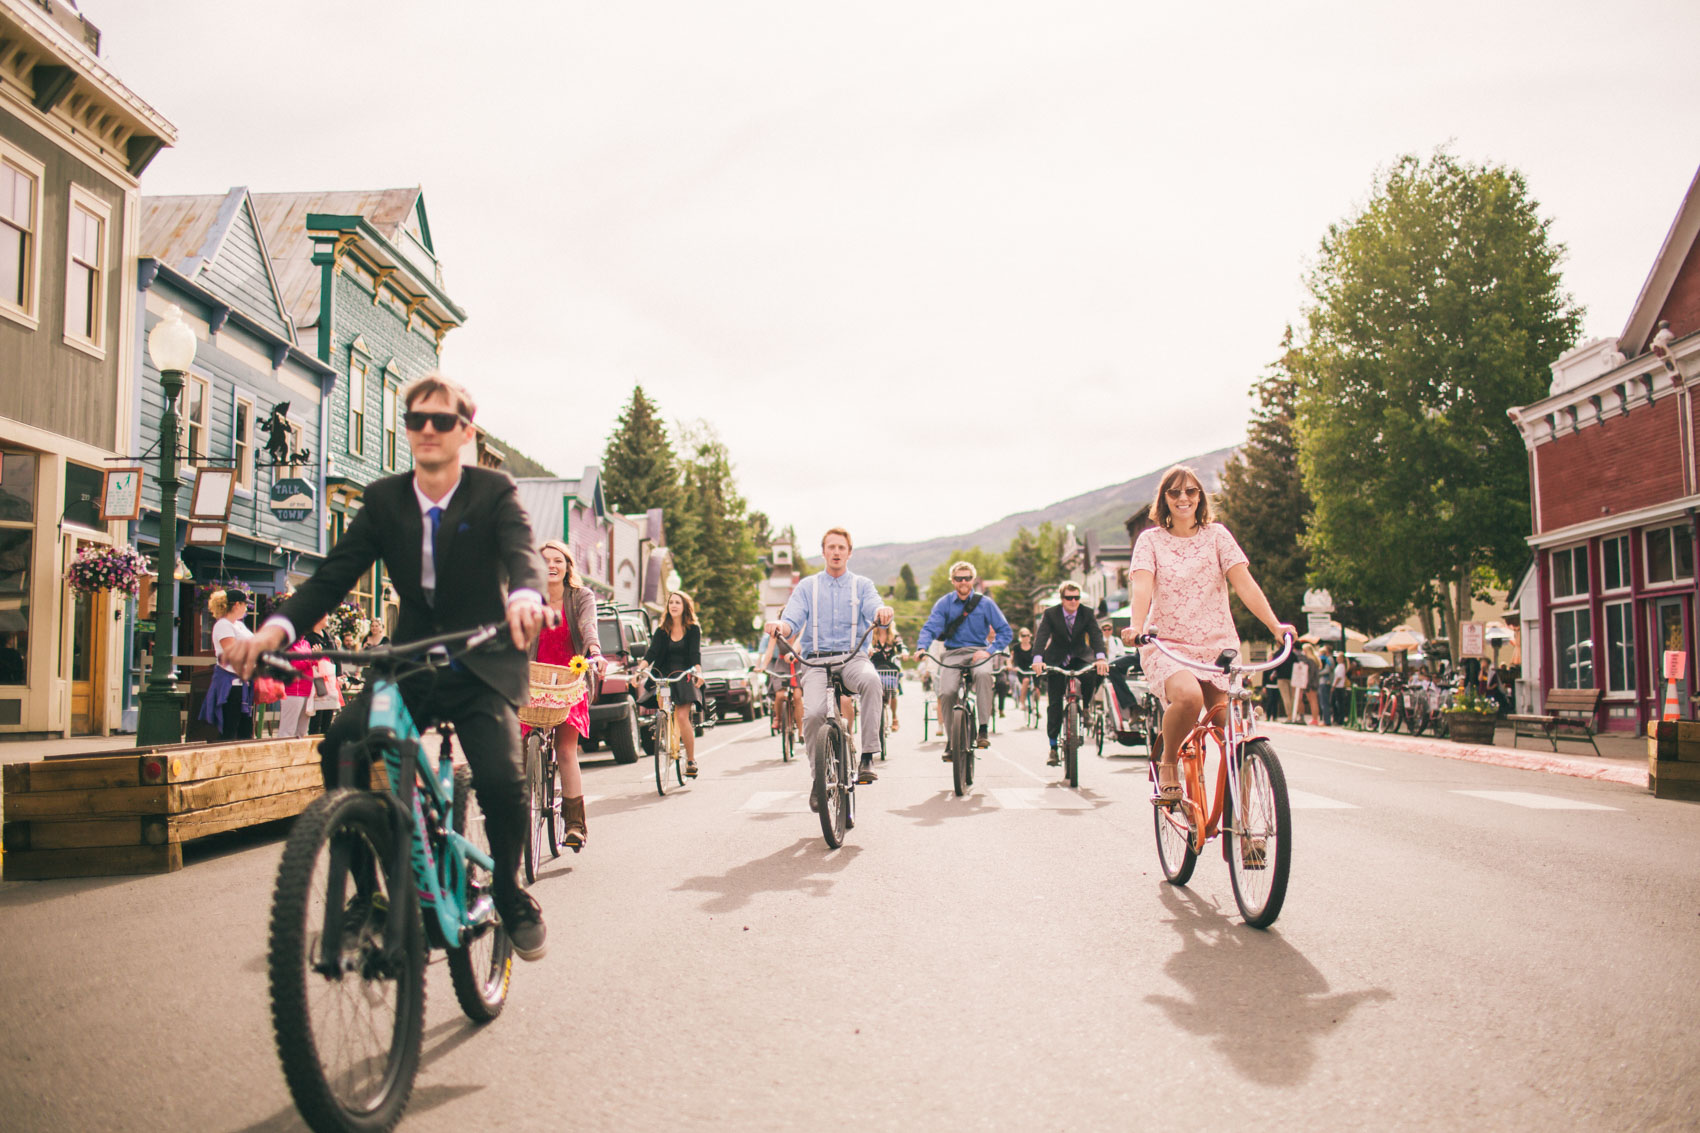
(578, 666)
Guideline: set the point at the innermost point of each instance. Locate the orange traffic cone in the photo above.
(1671, 710)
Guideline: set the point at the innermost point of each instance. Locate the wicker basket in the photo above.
(554, 683)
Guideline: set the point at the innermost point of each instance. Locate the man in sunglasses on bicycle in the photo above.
(1068, 636)
(826, 615)
(459, 551)
(971, 628)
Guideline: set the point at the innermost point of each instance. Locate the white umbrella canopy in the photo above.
(1395, 641)
(1370, 660)
(1496, 632)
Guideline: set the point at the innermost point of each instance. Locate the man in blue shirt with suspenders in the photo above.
(962, 622)
(836, 606)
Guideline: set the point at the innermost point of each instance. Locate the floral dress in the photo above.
(555, 646)
(1189, 600)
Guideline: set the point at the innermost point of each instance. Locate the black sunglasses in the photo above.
(1071, 597)
(442, 422)
(962, 578)
(1177, 493)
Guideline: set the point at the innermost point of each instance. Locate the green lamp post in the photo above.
(171, 346)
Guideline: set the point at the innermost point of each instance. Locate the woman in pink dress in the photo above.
(575, 636)
(1180, 574)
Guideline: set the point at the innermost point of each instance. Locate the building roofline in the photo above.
(247, 322)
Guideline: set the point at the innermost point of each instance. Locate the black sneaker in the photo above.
(523, 919)
(983, 741)
(866, 774)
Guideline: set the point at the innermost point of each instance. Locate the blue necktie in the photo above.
(436, 516)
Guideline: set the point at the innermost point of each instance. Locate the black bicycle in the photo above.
(960, 731)
(1076, 722)
(830, 757)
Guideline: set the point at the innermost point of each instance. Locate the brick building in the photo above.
(1615, 487)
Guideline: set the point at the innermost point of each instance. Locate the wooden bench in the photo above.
(1570, 715)
(131, 812)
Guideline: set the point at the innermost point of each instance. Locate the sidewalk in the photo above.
(1622, 758)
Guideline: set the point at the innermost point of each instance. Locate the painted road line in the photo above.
(777, 802)
(1329, 759)
(1304, 800)
(1534, 801)
(1040, 798)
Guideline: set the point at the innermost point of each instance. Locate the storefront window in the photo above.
(17, 545)
(1614, 553)
(1670, 555)
(1573, 646)
(1570, 572)
(82, 496)
(1620, 648)
(17, 487)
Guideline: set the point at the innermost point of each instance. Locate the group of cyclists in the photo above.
(461, 554)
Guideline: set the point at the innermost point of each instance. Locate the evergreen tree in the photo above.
(719, 567)
(906, 580)
(1263, 500)
(1033, 561)
(1434, 310)
(639, 469)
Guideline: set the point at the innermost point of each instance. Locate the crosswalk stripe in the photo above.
(1535, 802)
(1304, 800)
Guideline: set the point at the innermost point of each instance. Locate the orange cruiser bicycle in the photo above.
(1247, 803)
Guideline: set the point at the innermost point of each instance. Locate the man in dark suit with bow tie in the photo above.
(1067, 637)
(460, 554)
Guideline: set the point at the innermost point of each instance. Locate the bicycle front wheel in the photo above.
(1098, 728)
(1071, 743)
(663, 747)
(829, 784)
(1174, 825)
(348, 1022)
(534, 804)
(1259, 841)
(482, 966)
(787, 742)
(961, 740)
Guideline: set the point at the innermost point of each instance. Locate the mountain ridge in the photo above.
(1102, 510)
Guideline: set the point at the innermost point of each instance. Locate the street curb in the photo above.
(1479, 753)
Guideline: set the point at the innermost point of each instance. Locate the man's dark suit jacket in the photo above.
(484, 550)
(1057, 645)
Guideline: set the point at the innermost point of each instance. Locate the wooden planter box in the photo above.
(1470, 727)
(131, 813)
(1673, 760)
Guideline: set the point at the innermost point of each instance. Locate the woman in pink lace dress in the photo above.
(1180, 574)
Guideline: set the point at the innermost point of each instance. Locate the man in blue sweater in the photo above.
(962, 622)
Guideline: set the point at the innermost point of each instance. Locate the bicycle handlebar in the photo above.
(943, 664)
(830, 660)
(1080, 672)
(1218, 665)
(281, 665)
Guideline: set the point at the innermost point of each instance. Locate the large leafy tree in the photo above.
(719, 565)
(989, 564)
(639, 467)
(1033, 561)
(1433, 310)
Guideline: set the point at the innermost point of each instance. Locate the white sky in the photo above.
(913, 236)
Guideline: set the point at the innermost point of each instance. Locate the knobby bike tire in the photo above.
(1071, 743)
(533, 805)
(961, 743)
(370, 1094)
(829, 792)
(484, 963)
(1267, 825)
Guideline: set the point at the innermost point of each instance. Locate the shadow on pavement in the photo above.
(1263, 1004)
(798, 867)
(945, 805)
(438, 1042)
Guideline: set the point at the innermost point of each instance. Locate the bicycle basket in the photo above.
(555, 689)
(889, 680)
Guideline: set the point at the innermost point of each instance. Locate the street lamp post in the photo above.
(171, 345)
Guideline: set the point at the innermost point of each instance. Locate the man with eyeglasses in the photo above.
(967, 625)
(1068, 636)
(459, 551)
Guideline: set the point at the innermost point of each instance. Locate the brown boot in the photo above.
(576, 833)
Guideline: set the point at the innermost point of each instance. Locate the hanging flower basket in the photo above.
(107, 568)
(347, 618)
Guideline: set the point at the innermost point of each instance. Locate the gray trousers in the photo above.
(863, 682)
(951, 679)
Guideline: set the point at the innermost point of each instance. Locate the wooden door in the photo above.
(90, 625)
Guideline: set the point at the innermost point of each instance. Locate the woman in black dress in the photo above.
(677, 647)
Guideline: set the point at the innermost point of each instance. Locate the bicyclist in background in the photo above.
(836, 606)
(1021, 659)
(1068, 637)
(1179, 577)
(781, 669)
(885, 649)
(458, 547)
(968, 625)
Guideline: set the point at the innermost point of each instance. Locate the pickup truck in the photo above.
(624, 633)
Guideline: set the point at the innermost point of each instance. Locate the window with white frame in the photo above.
(1614, 564)
(85, 270)
(389, 427)
(1670, 554)
(242, 442)
(1570, 572)
(1573, 648)
(196, 412)
(357, 367)
(1620, 647)
(20, 212)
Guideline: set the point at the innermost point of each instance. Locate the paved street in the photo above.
(1462, 945)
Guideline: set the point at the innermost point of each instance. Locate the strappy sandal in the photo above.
(1168, 784)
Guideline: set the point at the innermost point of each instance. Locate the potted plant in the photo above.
(1471, 718)
(107, 568)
